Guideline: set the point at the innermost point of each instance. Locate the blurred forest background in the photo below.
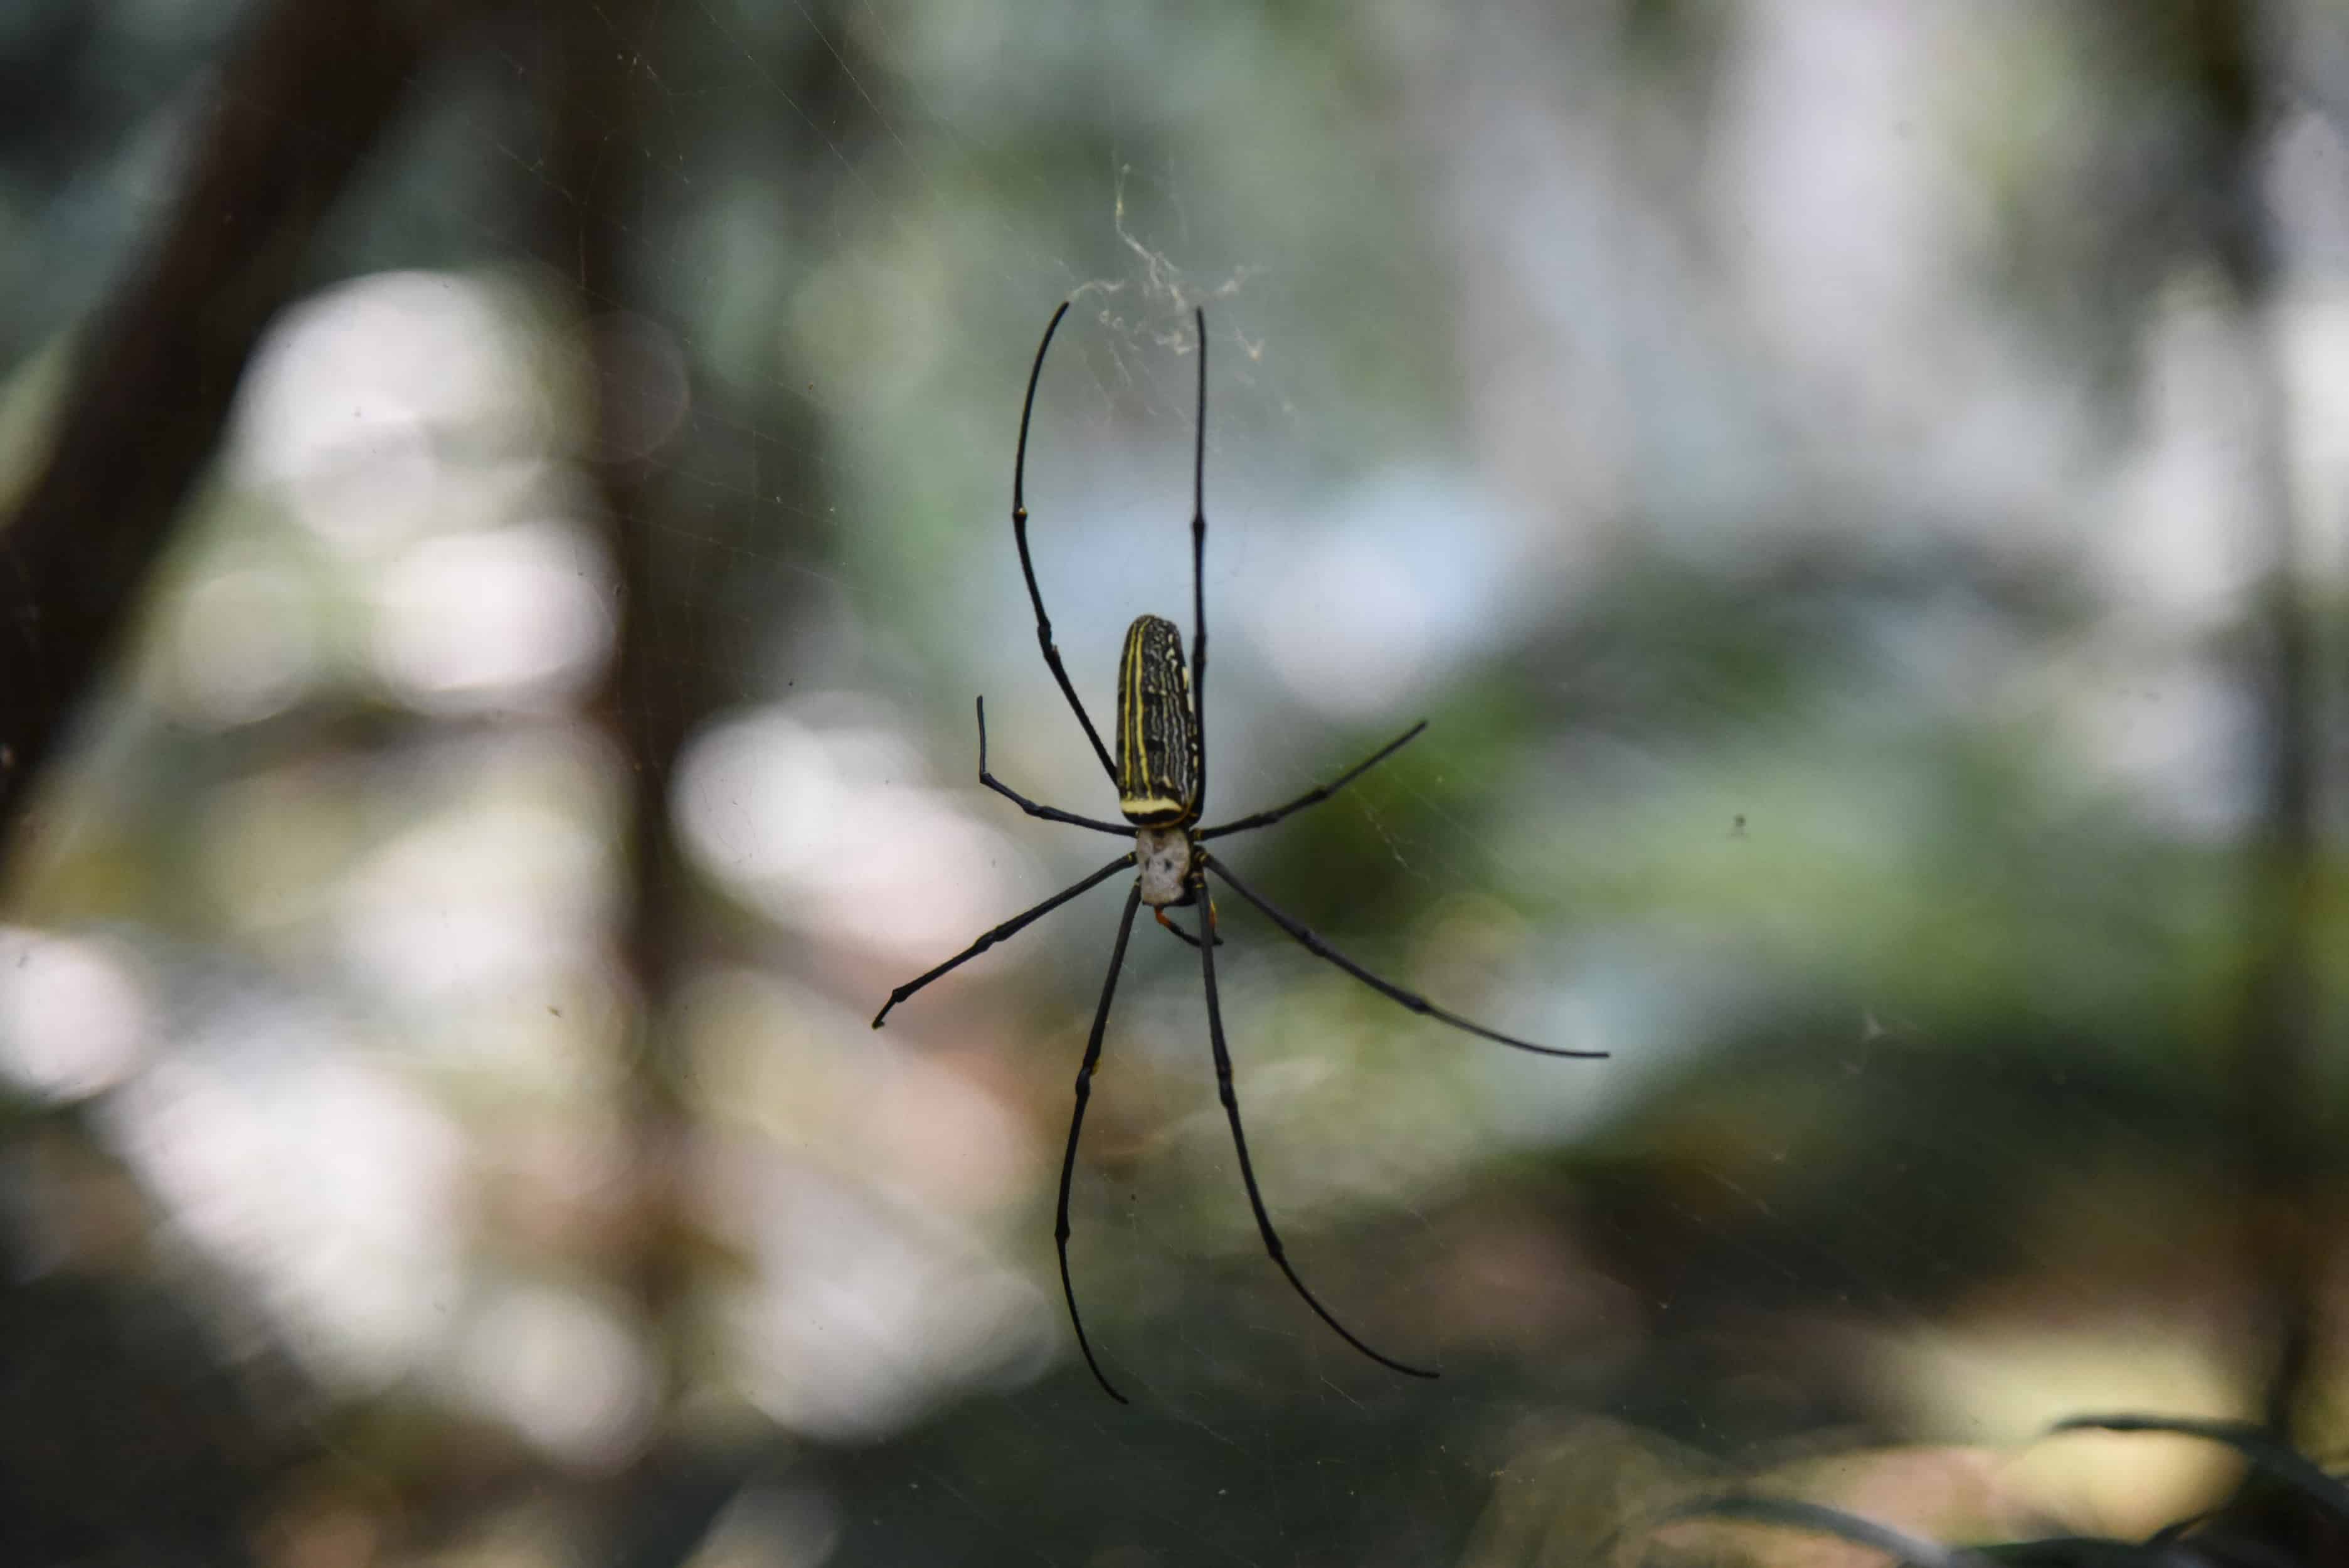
(504, 513)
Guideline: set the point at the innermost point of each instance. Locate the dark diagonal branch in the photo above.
(304, 95)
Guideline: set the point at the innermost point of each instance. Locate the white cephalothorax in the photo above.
(1164, 856)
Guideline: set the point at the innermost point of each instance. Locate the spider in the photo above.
(1161, 776)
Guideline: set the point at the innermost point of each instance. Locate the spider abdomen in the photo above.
(1158, 737)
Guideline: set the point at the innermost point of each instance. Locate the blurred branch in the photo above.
(595, 86)
(601, 86)
(2277, 1008)
(302, 99)
(593, 81)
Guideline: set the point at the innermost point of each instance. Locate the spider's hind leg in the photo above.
(1247, 1174)
(1076, 1126)
(1314, 943)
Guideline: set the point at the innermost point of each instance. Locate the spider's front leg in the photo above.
(1049, 813)
(1027, 566)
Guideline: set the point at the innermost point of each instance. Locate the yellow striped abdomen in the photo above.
(1157, 740)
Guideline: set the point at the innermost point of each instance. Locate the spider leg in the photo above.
(1320, 792)
(1188, 940)
(1416, 1003)
(1247, 1171)
(1076, 1125)
(1050, 813)
(1009, 928)
(1027, 566)
(1199, 561)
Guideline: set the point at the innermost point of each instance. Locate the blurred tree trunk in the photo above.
(2278, 993)
(303, 97)
(2281, 1137)
(593, 84)
(606, 106)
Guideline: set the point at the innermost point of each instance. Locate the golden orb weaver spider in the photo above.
(1161, 775)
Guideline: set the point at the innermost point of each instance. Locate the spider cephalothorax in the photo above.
(1161, 776)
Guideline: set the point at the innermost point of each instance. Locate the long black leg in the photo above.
(1028, 567)
(1076, 1125)
(1009, 928)
(1199, 564)
(1320, 792)
(1247, 1171)
(1411, 1000)
(1050, 813)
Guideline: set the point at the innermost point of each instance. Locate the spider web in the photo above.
(1555, 396)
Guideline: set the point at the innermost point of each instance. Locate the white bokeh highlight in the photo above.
(514, 616)
(76, 1016)
(323, 1181)
(823, 827)
(354, 398)
(866, 1316)
(563, 1369)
